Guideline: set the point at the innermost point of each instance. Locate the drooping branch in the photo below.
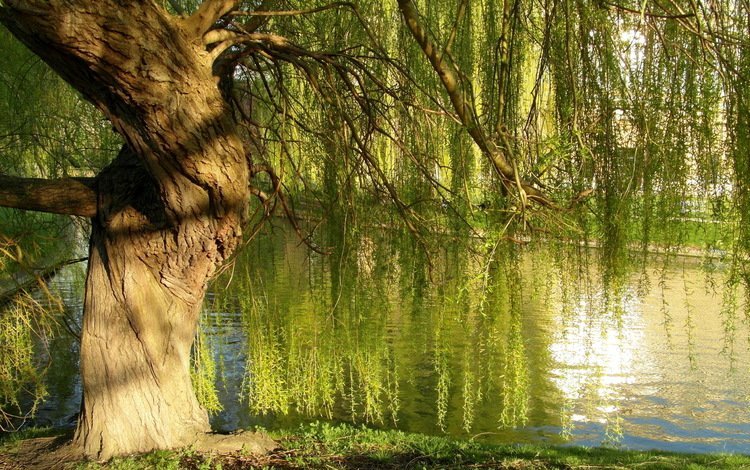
(67, 196)
(504, 53)
(339, 79)
(269, 203)
(650, 14)
(457, 92)
(30, 277)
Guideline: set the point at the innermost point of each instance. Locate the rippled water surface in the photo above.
(527, 347)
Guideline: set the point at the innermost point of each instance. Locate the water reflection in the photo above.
(521, 346)
(594, 351)
(652, 371)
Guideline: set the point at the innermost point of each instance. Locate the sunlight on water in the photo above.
(594, 351)
(525, 348)
(652, 372)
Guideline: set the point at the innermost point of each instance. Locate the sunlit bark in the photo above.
(168, 212)
(67, 196)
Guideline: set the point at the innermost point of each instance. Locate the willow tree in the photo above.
(205, 97)
(166, 213)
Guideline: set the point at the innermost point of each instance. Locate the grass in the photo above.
(371, 448)
(11, 439)
(329, 446)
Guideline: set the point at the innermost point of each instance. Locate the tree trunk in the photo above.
(169, 208)
(139, 322)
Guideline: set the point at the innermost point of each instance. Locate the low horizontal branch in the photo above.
(66, 196)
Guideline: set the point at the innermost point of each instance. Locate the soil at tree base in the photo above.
(243, 449)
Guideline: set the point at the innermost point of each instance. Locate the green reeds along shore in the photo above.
(342, 446)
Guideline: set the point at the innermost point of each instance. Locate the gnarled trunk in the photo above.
(169, 209)
(140, 320)
(135, 351)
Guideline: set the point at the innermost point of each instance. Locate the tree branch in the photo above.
(67, 196)
(446, 70)
(648, 14)
(279, 194)
(210, 11)
(28, 277)
(223, 39)
(254, 23)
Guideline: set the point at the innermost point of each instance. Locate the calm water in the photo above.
(527, 347)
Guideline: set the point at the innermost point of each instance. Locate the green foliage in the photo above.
(32, 239)
(19, 377)
(26, 325)
(617, 113)
(633, 122)
(344, 345)
(395, 449)
(46, 130)
(203, 375)
(161, 459)
(303, 359)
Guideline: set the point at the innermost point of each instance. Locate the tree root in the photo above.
(59, 452)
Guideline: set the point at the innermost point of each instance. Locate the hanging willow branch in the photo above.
(456, 88)
(348, 90)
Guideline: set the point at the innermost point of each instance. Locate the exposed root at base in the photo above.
(42, 453)
(54, 453)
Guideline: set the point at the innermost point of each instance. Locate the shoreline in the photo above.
(343, 446)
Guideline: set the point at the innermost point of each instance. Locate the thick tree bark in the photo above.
(169, 208)
(139, 321)
(69, 196)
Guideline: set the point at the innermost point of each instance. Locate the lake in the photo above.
(495, 342)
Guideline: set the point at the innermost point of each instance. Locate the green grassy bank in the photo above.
(326, 446)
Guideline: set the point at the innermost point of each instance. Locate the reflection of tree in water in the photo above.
(393, 342)
(477, 339)
(315, 340)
